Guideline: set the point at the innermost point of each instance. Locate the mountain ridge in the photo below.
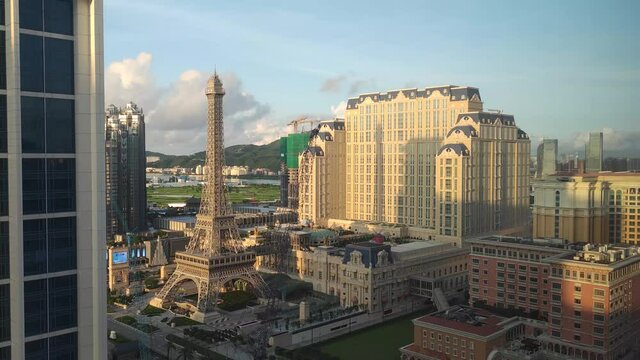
(254, 156)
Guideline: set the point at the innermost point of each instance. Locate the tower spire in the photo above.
(214, 255)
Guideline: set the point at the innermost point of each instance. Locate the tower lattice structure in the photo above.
(214, 256)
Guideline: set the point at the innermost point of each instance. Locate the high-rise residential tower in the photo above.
(52, 254)
(593, 153)
(547, 157)
(125, 167)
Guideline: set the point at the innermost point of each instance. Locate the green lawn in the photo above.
(129, 320)
(378, 342)
(183, 321)
(119, 339)
(152, 311)
(164, 195)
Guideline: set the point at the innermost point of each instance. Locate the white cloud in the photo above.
(616, 142)
(338, 110)
(176, 114)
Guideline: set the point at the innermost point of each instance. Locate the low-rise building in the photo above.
(386, 278)
(468, 334)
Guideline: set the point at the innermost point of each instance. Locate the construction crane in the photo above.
(300, 121)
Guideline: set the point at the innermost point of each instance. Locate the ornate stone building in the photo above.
(385, 278)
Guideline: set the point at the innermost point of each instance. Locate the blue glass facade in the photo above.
(47, 108)
(5, 314)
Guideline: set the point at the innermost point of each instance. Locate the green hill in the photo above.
(253, 156)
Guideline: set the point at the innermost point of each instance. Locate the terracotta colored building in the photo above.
(465, 333)
(511, 273)
(589, 295)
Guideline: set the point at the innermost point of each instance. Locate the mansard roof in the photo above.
(456, 93)
(458, 149)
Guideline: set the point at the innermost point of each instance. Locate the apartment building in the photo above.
(125, 165)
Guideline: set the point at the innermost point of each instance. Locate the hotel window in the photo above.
(598, 343)
(598, 305)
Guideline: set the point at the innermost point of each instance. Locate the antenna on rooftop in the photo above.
(498, 111)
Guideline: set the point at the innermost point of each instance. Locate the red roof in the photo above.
(487, 326)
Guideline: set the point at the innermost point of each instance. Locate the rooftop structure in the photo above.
(461, 332)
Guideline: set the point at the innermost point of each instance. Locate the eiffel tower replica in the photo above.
(214, 256)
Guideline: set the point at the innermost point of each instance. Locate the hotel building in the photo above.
(596, 208)
(431, 160)
(321, 168)
(590, 297)
(52, 218)
(482, 177)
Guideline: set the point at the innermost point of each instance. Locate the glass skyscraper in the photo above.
(52, 262)
(594, 153)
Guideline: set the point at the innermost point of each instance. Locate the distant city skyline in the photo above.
(561, 76)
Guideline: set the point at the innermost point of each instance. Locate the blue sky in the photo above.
(561, 67)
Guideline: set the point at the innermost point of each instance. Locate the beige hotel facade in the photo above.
(429, 159)
(598, 208)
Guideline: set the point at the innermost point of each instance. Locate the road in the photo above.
(157, 339)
